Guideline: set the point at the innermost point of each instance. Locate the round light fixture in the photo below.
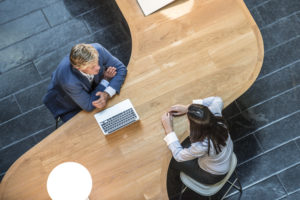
(69, 181)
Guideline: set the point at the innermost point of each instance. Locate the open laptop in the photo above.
(150, 6)
(116, 117)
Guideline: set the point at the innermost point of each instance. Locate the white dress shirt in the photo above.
(109, 90)
(213, 163)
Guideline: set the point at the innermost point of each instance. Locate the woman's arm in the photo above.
(214, 104)
(181, 154)
(178, 109)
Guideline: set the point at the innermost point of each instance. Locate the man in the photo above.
(84, 80)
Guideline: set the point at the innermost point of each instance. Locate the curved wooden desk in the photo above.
(191, 49)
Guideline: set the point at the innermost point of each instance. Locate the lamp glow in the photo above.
(69, 181)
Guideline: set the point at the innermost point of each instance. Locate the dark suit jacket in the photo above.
(70, 91)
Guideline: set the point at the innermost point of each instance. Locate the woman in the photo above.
(207, 157)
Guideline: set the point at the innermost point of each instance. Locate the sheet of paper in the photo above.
(150, 6)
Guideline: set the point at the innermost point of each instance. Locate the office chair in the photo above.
(209, 190)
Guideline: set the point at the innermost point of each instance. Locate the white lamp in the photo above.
(69, 181)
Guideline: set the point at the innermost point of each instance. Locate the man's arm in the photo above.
(83, 99)
(109, 60)
(104, 96)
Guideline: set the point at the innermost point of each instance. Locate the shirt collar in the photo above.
(90, 77)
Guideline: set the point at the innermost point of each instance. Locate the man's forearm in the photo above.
(106, 96)
(111, 91)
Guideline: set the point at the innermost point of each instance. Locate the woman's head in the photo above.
(204, 125)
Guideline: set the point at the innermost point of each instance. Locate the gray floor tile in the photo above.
(41, 44)
(15, 8)
(32, 97)
(46, 64)
(280, 31)
(122, 52)
(279, 132)
(25, 125)
(266, 88)
(242, 125)
(44, 133)
(253, 3)
(294, 196)
(281, 56)
(117, 36)
(267, 189)
(1, 177)
(298, 15)
(268, 164)
(298, 142)
(230, 110)
(265, 113)
(276, 9)
(290, 178)
(246, 148)
(12, 153)
(295, 71)
(9, 109)
(57, 13)
(19, 78)
(78, 7)
(225, 188)
(257, 18)
(21, 28)
(102, 17)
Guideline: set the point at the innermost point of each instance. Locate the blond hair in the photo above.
(83, 54)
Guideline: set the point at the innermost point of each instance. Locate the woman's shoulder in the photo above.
(200, 144)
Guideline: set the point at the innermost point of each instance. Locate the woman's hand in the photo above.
(167, 122)
(178, 110)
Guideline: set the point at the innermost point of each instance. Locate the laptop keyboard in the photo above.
(118, 121)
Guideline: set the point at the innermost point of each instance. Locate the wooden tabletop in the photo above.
(190, 49)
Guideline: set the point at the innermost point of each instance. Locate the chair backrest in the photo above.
(233, 164)
(208, 190)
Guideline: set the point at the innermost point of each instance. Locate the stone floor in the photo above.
(36, 34)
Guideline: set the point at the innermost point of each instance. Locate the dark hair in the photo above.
(203, 124)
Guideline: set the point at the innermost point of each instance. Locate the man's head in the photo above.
(84, 57)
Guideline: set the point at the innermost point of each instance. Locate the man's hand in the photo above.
(101, 102)
(109, 73)
(178, 110)
(167, 122)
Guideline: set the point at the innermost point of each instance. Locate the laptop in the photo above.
(150, 6)
(116, 117)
